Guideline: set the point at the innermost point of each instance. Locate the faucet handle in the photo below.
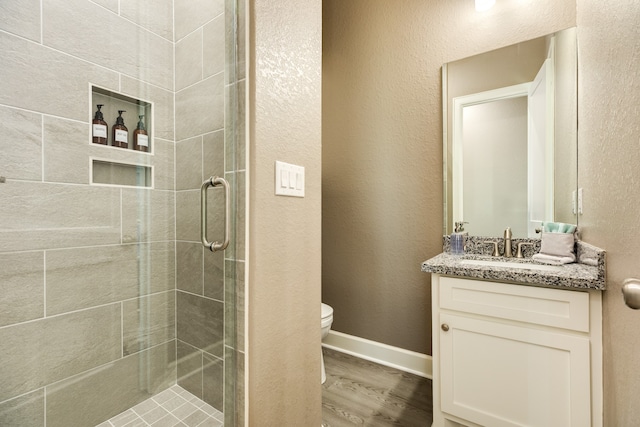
(520, 245)
(496, 252)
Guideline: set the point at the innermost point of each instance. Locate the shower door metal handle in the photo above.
(214, 182)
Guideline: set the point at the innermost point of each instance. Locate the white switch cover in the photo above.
(289, 179)
(580, 201)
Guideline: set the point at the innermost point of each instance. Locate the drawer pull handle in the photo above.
(444, 327)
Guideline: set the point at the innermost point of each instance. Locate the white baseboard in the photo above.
(394, 357)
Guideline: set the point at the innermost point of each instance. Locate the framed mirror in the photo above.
(510, 137)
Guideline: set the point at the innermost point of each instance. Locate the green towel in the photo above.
(558, 227)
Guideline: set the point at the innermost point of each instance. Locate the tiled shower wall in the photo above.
(88, 274)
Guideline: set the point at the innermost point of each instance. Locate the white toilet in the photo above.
(325, 324)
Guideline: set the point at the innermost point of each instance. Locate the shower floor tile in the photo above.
(174, 407)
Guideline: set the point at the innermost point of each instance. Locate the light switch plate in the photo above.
(289, 179)
(580, 201)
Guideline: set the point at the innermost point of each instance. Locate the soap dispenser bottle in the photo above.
(456, 240)
(120, 132)
(140, 137)
(99, 128)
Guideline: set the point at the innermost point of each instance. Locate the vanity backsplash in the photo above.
(475, 245)
(588, 271)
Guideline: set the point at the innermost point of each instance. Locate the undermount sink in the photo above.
(507, 264)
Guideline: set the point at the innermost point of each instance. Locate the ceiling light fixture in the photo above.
(482, 5)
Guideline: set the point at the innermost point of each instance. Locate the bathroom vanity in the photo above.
(517, 343)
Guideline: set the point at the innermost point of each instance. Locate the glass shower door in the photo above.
(107, 297)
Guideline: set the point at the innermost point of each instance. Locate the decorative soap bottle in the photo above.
(120, 132)
(140, 137)
(99, 127)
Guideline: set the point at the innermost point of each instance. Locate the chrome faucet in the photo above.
(507, 243)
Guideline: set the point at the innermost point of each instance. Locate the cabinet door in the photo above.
(496, 374)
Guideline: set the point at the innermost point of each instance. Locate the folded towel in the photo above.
(558, 244)
(553, 259)
(589, 259)
(558, 227)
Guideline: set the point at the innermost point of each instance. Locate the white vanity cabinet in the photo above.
(515, 355)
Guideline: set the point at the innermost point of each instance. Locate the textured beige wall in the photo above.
(609, 160)
(382, 148)
(284, 232)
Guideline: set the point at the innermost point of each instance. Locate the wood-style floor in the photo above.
(362, 393)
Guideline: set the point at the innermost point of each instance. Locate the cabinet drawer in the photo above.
(543, 306)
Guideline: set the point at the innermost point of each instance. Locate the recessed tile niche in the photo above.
(112, 173)
(116, 165)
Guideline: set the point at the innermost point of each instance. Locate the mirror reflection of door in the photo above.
(489, 149)
(494, 161)
(503, 152)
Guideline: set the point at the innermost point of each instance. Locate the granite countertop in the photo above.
(587, 273)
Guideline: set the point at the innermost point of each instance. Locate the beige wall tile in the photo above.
(28, 70)
(235, 131)
(234, 304)
(188, 215)
(37, 353)
(213, 47)
(216, 214)
(23, 411)
(109, 4)
(22, 18)
(148, 321)
(126, 47)
(66, 151)
(189, 57)
(87, 277)
(161, 124)
(214, 274)
(234, 368)
(95, 396)
(163, 266)
(190, 368)
(189, 164)
(41, 216)
(200, 108)
(200, 322)
(213, 381)
(21, 287)
(192, 14)
(189, 269)
(163, 162)
(154, 15)
(213, 152)
(234, 396)
(148, 215)
(21, 144)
